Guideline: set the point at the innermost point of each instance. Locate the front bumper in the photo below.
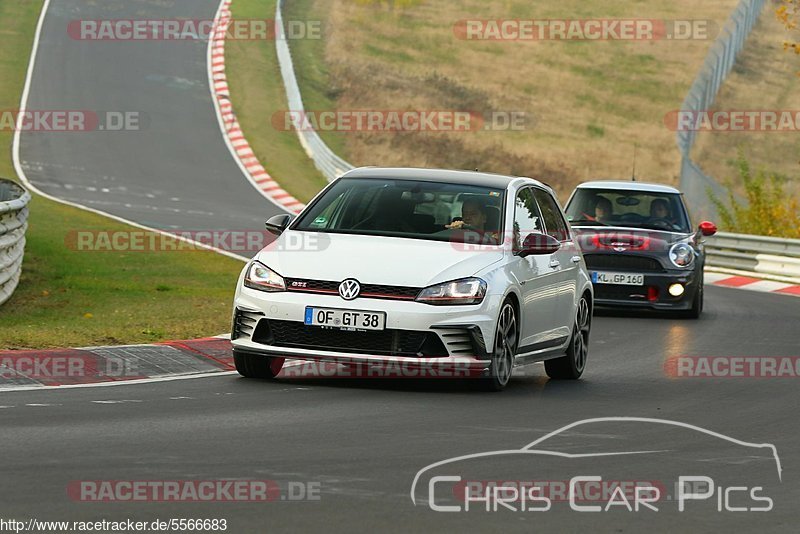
(608, 295)
(417, 334)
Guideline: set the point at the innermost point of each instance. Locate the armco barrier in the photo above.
(328, 163)
(13, 223)
(770, 256)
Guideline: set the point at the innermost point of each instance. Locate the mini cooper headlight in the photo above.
(681, 255)
(261, 277)
(463, 291)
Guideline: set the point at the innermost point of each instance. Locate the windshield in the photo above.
(635, 209)
(407, 208)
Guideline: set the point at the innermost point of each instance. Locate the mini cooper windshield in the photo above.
(636, 209)
(408, 208)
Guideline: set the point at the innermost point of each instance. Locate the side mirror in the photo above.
(538, 244)
(707, 228)
(278, 223)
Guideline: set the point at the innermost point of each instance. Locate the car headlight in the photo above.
(463, 291)
(681, 255)
(261, 277)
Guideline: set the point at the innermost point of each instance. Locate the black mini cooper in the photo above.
(640, 246)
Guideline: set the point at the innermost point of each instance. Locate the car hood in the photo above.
(620, 239)
(374, 259)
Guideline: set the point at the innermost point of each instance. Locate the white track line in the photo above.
(211, 374)
(23, 105)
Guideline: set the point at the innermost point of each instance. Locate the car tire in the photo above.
(257, 366)
(572, 364)
(697, 303)
(505, 349)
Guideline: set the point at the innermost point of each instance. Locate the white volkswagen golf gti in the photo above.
(419, 268)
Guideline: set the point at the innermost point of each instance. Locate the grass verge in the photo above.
(587, 103)
(71, 298)
(256, 86)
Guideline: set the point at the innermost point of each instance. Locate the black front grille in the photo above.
(292, 334)
(620, 292)
(377, 291)
(623, 261)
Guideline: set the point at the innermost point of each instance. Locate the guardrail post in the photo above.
(13, 223)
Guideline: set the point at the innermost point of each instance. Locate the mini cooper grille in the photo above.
(384, 342)
(244, 323)
(377, 291)
(622, 261)
(620, 292)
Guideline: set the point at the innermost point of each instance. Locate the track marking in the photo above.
(23, 106)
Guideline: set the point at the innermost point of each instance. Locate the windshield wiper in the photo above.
(581, 221)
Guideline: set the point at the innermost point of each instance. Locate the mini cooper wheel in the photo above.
(505, 348)
(257, 366)
(571, 365)
(697, 303)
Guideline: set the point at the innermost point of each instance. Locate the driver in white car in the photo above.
(473, 216)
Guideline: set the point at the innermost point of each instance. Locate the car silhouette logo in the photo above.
(349, 289)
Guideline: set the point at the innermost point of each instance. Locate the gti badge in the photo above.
(349, 289)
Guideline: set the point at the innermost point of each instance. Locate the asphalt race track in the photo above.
(175, 172)
(360, 442)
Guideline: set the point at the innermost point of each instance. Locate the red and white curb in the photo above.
(239, 146)
(752, 284)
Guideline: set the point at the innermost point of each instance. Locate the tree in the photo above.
(788, 13)
(768, 209)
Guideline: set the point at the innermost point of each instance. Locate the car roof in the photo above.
(629, 186)
(497, 181)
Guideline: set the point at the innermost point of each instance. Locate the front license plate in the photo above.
(345, 319)
(623, 279)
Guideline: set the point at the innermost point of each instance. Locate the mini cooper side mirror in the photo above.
(538, 244)
(707, 228)
(278, 223)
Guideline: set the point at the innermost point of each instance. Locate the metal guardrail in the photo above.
(719, 62)
(13, 223)
(756, 254)
(328, 163)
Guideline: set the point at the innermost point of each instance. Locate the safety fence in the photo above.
(13, 224)
(770, 256)
(328, 163)
(694, 183)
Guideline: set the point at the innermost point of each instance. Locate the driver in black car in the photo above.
(659, 211)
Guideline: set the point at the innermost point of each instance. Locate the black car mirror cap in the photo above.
(278, 223)
(536, 244)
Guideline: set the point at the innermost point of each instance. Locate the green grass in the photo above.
(72, 298)
(257, 92)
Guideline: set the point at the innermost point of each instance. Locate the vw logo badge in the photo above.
(349, 289)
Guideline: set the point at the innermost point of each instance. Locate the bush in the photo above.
(766, 210)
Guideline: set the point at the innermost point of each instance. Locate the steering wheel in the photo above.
(662, 222)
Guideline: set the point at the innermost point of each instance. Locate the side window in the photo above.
(553, 221)
(527, 219)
